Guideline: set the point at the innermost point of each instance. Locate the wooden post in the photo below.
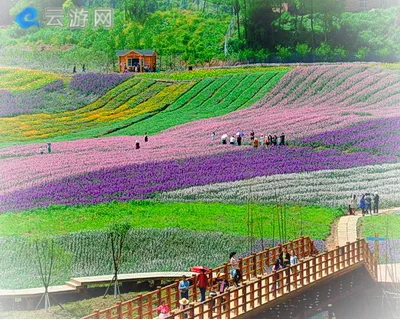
(248, 274)
(108, 313)
(254, 265)
(119, 310)
(337, 263)
(226, 271)
(150, 305)
(168, 298)
(259, 290)
(241, 267)
(376, 246)
(228, 305)
(159, 294)
(262, 263)
(96, 314)
(244, 298)
(191, 310)
(195, 288)
(301, 254)
(235, 302)
(177, 294)
(201, 311)
(210, 301)
(130, 310)
(140, 306)
(251, 296)
(274, 283)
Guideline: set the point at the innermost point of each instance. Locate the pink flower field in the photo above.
(307, 101)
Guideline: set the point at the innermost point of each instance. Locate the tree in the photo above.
(117, 234)
(51, 262)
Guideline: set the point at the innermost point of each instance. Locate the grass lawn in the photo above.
(386, 226)
(72, 310)
(214, 217)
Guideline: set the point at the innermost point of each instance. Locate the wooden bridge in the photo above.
(260, 286)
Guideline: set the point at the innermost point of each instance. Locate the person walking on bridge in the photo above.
(237, 275)
(184, 287)
(202, 283)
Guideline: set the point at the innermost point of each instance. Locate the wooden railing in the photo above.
(144, 306)
(268, 288)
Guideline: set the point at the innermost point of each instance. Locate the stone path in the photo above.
(347, 229)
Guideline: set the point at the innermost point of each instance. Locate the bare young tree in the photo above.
(117, 234)
(51, 262)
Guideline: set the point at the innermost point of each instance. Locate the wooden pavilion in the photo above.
(141, 60)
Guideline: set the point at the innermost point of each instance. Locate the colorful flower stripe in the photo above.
(328, 187)
(15, 79)
(141, 181)
(378, 136)
(297, 120)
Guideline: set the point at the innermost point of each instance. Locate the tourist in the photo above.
(146, 137)
(184, 287)
(223, 284)
(49, 147)
(376, 203)
(252, 135)
(284, 257)
(261, 141)
(255, 143)
(282, 140)
(202, 283)
(137, 145)
(41, 150)
(183, 304)
(125, 68)
(74, 69)
(224, 138)
(163, 310)
(293, 258)
(237, 275)
(83, 68)
(232, 140)
(275, 140)
(353, 205)
(368, 204)
(276, 267)
(239, 140)
(213, 136)
(314, 250)
(362, 204)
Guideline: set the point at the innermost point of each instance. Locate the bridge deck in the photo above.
(389, 273)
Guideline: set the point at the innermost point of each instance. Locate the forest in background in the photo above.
(211, 32)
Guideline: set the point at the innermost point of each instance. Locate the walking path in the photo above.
(347, 232)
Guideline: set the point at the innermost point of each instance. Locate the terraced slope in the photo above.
(141, 105)
(15, 79)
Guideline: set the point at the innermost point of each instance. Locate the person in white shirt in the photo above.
(232, 140)
(237, 276)
(213, 136)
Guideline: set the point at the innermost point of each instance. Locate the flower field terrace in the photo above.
(381, 136)
(306, 102)
(142, 105)
(141, 181)
(59, 95)
(16, 79)
(330, 188)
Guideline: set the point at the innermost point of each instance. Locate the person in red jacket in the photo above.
(202, 283)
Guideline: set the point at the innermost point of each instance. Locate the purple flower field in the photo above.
(389, 251)
(96, 83)
(141, 181)
(380, 136)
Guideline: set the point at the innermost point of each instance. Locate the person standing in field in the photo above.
(232, 140)
(376, 203)
(202, 283)
(224, 139)
(41, 150)
(368, 202)
(252, 135)
(237, 276)
(49, 147)
(255, 143)
(353, 205)
(282, 139)
(293, 258)
(239, 140)
(213, 136)
(362, 204)
(137, 145)
(184, 287)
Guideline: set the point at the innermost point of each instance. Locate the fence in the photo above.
(144, 306)
(267, 288)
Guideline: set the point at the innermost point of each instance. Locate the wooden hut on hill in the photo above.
(143, 60)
